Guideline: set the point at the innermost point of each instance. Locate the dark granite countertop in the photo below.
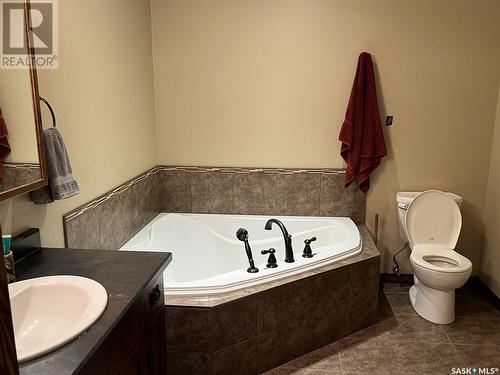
(124, 274)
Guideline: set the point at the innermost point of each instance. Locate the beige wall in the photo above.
(489, 269)
(266, 83)
(103, 97)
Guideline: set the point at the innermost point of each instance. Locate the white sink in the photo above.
(48, 312)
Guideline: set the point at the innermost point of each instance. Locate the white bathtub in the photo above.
(208, 258)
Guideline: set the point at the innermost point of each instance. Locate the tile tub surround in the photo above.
(256, 330)
(253, 191)
(110, 220)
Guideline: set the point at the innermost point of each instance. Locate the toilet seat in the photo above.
(433, 220)
(440, 259)
(433, 224)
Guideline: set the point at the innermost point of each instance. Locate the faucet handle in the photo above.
(270, 251)
(307, 253)
(308, 241)
(271, 261)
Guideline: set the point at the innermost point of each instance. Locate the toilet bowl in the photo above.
(432, 224)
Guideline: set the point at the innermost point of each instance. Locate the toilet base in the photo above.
(436, 306)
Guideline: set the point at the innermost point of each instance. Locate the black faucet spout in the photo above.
(286, 237)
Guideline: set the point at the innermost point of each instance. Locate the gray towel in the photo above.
(61, 182)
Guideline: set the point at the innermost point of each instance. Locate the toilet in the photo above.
(430, 222)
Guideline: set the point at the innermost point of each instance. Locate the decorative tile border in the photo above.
(253, 170)
(15, 165)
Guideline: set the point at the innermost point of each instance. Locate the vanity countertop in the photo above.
(124, 274)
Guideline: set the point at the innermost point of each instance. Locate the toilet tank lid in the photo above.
(406, 197)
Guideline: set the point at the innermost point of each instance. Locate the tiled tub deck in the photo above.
(257, 329)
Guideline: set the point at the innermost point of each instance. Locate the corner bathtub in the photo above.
(209, 259)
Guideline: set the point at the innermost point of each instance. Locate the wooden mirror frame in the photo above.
(22, 189)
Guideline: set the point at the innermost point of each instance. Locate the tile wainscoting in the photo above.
(110, 220)
(302, 192)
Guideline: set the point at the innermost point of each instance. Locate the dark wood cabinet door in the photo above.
(149, 357)
(113, 354)
(8, 356)
(137, 363)
(156, 345)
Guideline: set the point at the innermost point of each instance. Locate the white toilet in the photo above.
(430, 223)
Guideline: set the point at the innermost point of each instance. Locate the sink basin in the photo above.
(48, 312)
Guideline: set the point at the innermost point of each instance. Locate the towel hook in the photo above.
(51, 111)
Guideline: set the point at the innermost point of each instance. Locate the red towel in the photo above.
(4, 144)
(361, 135)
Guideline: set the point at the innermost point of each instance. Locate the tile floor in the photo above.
(404, 343)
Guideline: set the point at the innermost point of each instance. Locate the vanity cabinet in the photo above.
(136, 346)
(149, 356)
(129, 338)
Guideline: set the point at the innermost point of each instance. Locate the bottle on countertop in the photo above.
(9, 258)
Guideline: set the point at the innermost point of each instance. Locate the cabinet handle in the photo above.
(155, 295)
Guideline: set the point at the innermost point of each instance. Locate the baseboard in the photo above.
(490, 296)
(404, 278)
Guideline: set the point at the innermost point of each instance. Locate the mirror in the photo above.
(22, 168)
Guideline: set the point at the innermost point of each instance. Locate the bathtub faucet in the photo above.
(286, 237)
(242, 235)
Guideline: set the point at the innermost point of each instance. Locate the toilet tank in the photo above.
(403, 200)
